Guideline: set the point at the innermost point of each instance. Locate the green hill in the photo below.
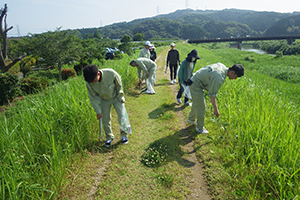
(195, 24)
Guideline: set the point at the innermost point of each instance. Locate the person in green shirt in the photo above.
(148, 68)
(145, 52)
(185, 72)
(209, 78)
(104, 90)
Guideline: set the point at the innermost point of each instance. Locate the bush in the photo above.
(32, 85)
(9, 88)
(78, 67)
(66, 73)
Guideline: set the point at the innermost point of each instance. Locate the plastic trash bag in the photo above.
(149, 86)
(125, 124)
(187, 92)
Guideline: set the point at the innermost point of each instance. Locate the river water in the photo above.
(259, 51)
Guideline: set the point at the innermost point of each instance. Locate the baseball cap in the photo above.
(148, 43)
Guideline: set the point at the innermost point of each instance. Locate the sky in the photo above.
(38, 16)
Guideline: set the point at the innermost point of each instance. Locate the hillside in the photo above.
(195, 24)
(287, 26)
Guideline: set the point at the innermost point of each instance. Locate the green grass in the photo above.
(48, 139)
(257, 156)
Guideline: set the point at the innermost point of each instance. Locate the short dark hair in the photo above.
(90, 72)
(238, 69)
(131, 62)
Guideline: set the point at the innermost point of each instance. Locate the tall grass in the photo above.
(42, 136)
(260, 148)
(263, 140)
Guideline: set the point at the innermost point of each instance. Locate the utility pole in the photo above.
(157, 10)
(18, 31)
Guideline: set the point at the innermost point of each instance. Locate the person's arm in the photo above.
(95, 100)
(119, 88)
(215, 106)
(181, 72)
(178, 57)
(143, 67)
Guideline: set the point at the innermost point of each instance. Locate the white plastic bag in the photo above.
(149, 86)
(125, 124)
(187, 92)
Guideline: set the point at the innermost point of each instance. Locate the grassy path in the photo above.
(118, 173)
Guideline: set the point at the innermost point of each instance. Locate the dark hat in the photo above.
(193, 54)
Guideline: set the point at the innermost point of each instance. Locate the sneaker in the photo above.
(148, 92)
(171, 82)
(188, 103)
(174, 81)
(191, 122)
(124, 140)
(179, 101)
(204, 131)
(107, 143)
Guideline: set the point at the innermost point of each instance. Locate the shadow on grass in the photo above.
(173, 146)
(99, 147)
(164, 108)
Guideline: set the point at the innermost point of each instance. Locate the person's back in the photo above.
(173, 57)
(207, 76)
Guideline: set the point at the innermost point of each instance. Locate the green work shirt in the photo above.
(211, 78)
(144, 53)
(144, 64)
(185, 71)
(109, 87)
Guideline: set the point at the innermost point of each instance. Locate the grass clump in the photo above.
(155, 156)
(165, 179)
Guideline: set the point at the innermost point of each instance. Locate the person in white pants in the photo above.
(209, 78)
(104, 90)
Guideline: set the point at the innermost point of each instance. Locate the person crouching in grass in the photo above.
(148, 67)
(104, 90)
(209, 78)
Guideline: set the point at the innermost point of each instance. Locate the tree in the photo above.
(4, 47)
(55, 48)
(126, 44)
(26, 65)
(138, 36)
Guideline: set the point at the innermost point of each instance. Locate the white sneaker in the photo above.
(171, 82)
(191, 122)
(174, 81)
(179, 101)
(188, 103)
(203, 131)
(148, 92)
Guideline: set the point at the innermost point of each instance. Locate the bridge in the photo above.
(290, 39)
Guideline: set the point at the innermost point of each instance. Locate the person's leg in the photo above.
(179, 94)
(198, 106)
(106, 119)
(171, 72)
(119, 110)
(175, 71)
(151, 74)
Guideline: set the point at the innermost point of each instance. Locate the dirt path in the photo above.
(198, 187)
(94, 172)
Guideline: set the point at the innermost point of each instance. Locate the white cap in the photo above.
(148, 43)
(152, 46)
(172, 44)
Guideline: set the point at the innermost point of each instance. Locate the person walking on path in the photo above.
(104, 90)
(185, 72)
(152, 53)
(145, 53)
(148, 68)
(173, 60)
(209, 78)
(153, 58)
